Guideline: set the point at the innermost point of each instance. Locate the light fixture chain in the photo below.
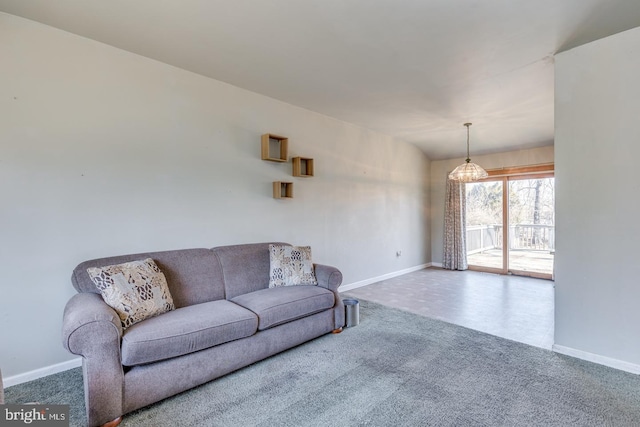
(468, 155)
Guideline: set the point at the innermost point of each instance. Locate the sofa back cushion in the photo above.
(245, 267)
(194, 276)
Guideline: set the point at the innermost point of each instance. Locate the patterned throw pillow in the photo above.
(291, 265)
(136, 290)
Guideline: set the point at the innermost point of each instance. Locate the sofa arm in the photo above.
(81, 312)
(331, 278)
(328, 277)
(92, 329)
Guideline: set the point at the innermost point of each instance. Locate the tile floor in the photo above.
(512, 307)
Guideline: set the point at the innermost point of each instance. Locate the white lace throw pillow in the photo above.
(136, 290)
(291, 265)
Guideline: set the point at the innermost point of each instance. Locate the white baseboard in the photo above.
(596, 358)
(41, 372)
(436, 264)
(366, 282)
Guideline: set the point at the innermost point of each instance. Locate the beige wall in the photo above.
(441, 168)
(597, 201)
(104, 152)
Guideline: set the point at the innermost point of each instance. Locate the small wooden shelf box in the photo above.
(302, 166)
(275, 148)
(282, 190)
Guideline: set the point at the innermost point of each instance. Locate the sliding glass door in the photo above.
(531, 226)
(525, 203)
(485, 216)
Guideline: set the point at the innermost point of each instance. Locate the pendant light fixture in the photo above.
(468, 172)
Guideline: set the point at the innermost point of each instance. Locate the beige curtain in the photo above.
(455, 228)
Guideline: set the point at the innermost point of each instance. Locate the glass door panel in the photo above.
(531, 226)
(485, 225)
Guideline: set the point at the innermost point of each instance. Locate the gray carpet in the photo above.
(394, 369)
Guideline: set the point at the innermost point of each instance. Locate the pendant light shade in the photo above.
(468, 172)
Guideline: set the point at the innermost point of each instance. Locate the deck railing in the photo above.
(483, 237)
(532, 237)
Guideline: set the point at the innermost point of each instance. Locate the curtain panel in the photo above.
(455, 227)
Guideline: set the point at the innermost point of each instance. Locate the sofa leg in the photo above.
(113, 423)
(336, 331)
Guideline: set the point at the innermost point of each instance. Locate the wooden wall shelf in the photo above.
(275, 148)
(282, 190)
(302, 166)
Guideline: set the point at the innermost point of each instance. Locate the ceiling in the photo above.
(413, 69)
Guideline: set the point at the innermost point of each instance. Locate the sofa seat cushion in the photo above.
(186, 330)
(275, 306)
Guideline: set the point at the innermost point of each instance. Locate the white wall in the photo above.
(441, 168)
(103, 152)
(598, 199)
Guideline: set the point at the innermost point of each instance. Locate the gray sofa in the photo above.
(226, 317)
